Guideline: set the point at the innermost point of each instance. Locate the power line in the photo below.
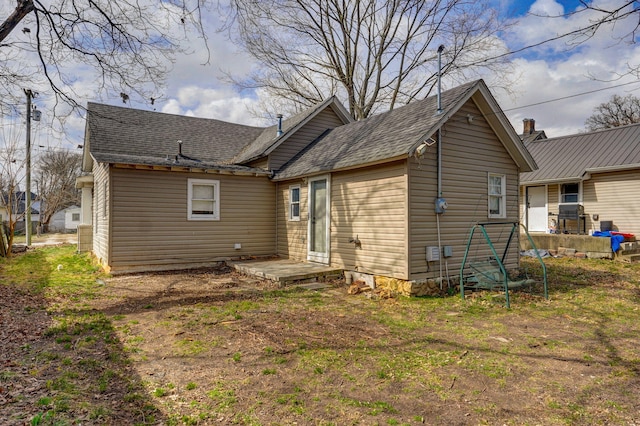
(572, 96)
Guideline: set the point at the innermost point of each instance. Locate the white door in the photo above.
(537, 215)
(318, 228)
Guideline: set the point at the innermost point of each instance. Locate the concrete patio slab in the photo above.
(285, 271)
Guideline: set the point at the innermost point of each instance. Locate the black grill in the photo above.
(570, 211)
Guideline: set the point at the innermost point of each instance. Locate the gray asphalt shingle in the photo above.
(150, 134)
(380, 137)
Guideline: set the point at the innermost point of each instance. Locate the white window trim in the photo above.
(216, 194)
(503, 197)
(293, 218)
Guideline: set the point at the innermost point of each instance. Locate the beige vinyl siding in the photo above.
(262, 163)
(150, 226)
(614, 197)
(470, 151)
(370, 204)
(292, 235)
(326, 119)
(101, 209)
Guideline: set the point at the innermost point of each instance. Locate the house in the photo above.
(585, 182)
(168, 191)
(16, 205)
(65, 220)
(529, 132)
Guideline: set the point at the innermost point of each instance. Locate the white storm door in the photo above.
(318, 223)
(537, 215)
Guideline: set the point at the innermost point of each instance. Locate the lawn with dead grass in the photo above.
(213, 347)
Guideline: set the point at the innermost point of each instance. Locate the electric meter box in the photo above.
(433, 254)
(447, 251)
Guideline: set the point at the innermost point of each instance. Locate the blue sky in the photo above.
(516, 8)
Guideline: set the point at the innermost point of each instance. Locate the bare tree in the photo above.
(56, 178)
(619, 111)
(129, 42)
(12, 206)
(376, 54)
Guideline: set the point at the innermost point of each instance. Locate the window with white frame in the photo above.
(203, 197)
(294, 202)
(75, 217)
(497, 196)
(569, 192)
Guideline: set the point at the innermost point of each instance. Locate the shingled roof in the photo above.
(137, 137)
(132, 136)
(268, 139)
(572, 158)
(397, 133)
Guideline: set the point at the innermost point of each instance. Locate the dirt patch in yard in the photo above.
(214, 347)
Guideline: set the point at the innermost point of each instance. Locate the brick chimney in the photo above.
(529, 126)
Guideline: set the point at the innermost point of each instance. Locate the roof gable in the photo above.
(397, 133)
(572, 158)
(269, 140)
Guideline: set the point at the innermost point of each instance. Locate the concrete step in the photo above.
(630, 246)
(313, 286)
(628, 258)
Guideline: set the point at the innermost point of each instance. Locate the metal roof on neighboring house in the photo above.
(572, 158)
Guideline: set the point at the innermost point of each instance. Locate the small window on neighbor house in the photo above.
(203, 199)
(294, 202)
(569, 192)
(75, 217)
(497, 196)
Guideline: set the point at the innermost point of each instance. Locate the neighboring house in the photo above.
(529, 133)
(65, 220)
(595, 174)
(360, 196)
(18, 203)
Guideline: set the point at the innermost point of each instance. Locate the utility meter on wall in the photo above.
(441, 205)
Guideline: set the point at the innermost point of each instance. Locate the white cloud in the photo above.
(222, 104)
(557, 71)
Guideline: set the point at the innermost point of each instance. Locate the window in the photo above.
(204, 199)
(75, 217)
(497, 196)
(569, 192)
(294, 202)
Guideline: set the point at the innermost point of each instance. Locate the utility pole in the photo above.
(27, 217)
